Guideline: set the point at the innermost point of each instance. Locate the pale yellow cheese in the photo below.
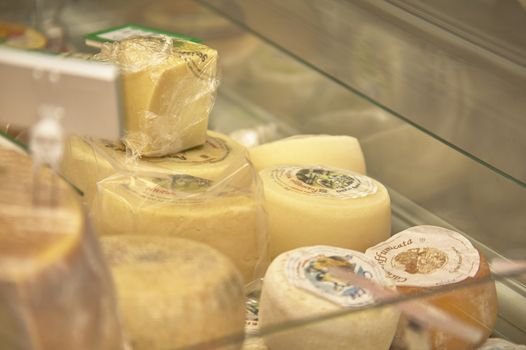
(342, 152)
(424, 258)
(174, 292)
(298, 287)
(310, 205)
(222, 216)
(168, 92)
(88, 161)
(55, 289)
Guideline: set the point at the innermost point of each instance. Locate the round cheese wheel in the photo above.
(342, 152)
(500, 344)
(429, 257)
(174, 292)
(87, 161)
(226, 218)
(55, 289)
(298, 285)
(310, 205)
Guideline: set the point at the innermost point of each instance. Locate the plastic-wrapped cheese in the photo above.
(174, 292)
(310, 205)
(500, 344)
(427, 257)
(87, 161)
(215, 213)
(298, 285)
(342, 152)
(168, 92)
(55, 289)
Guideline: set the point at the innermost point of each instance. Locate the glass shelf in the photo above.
(436, 101)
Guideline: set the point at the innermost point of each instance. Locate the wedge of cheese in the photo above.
(55, 289)
(299, 286)
(428, 257)
(332, 151)
(215, 213)
(88, 161)
(174, 292)
(168, 92)
(310, 205)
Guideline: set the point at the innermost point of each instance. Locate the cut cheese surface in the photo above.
(55, 289)
(168, 92)
(426, 257)
(342, 152)
(298, 285)
(310, 205)
(222, 216)
(88, 161)
(174, 292)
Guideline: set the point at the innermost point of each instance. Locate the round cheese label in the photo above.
(426, 256)
(170, 188)
(214, 150)
(324, 182)
(309, 269)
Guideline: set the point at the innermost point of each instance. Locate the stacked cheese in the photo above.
(333, 151)
(299, 285)
(213, 212)
(168, 92)
(88, 161)
(55, 291)
(310, 205)
(428, 257)
(173, 292)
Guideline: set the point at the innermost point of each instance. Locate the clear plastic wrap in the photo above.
(55, 288)
(216, 200)
(169, 88)
(87, 161)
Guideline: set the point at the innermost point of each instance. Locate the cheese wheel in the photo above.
(88, 161)
(427, 257)
(298, 286)
(342, 152)
(309, 205)
(214, 213)
(174, 292)
(168, 92)
(55, 290)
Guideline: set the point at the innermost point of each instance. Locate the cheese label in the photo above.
(324, 182)
(214, 150)
(307, 268)
(172, 188)
(426, 256)
(252, 316)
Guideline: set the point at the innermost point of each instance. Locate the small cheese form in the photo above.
(169, 88)
(342, 152)
(228, 219)
(56, 291)
(310, 205)
(298, 285)
(88, 161)
(174, 292)
(423, 258)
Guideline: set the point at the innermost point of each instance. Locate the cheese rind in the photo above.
(342, 152)
(285, 298)
(55, 289)
(428, 257)
(88, 161)
(168, 92)
(310, 205)
(174, 292)
(222, 216)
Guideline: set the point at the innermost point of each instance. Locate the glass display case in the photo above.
(433, 90)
